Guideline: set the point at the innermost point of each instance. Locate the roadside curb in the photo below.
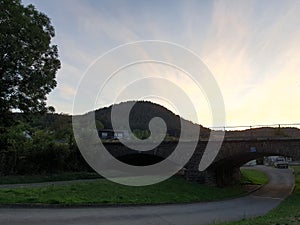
(70, 206)
(111, 205)
(294, 185)
(256, 189)
(259, 186)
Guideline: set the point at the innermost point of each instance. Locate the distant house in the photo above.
(26, 134)
(113, 134)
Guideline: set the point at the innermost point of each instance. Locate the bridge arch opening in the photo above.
(227, 170)
(140, 159)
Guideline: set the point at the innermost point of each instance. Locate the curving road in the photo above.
(258, 203)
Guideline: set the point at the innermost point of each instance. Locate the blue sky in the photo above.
(251, 47)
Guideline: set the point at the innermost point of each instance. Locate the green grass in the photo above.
(287, 213)
(173, 190)
(46, 178)
(252, 176)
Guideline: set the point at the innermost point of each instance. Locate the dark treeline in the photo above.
(44, 143)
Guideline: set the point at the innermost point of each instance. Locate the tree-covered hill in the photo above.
(44, 143)
(60, 125)
(141, 114)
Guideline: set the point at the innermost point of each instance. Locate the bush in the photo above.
(38, 154)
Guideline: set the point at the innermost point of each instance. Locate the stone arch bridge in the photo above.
(225, 168)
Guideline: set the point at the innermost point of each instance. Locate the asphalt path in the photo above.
(258, 203)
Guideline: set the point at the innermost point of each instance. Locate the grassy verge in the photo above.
(173, 190)
(287, 213)
(252, 176)
(46, 178)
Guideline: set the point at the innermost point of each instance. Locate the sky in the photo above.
(251, 49)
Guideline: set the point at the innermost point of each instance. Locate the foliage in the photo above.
(28, 150)
(141, 134)
(28, 61)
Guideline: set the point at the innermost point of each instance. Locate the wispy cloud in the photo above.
(251, 47)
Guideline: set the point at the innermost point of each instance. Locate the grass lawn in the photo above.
(287, 213)
(252, 176)
(173, 190)
(46, 178)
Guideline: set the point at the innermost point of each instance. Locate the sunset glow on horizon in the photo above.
(251, 48)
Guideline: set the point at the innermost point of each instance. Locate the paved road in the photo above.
(260, 202)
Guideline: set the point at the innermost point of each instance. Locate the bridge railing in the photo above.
(249, 127)
(278, 131)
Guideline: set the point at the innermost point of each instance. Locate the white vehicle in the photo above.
(281, 163)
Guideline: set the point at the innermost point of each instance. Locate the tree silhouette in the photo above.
(28, 61)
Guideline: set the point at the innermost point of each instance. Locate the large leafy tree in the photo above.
(28, 60)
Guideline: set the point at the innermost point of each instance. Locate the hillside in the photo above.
(141, 114)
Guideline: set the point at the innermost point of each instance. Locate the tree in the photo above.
(28, 61)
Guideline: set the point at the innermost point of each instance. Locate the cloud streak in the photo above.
(251, 47)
